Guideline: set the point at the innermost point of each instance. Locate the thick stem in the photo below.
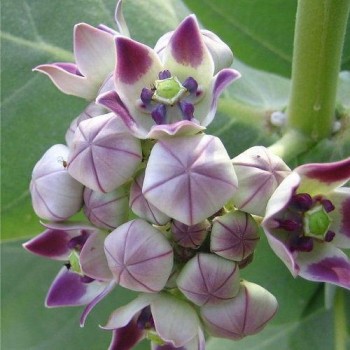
(339, 321)
(319, 37)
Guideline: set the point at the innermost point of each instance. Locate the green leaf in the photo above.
(260, 33)
(35, 115)
(27, 324)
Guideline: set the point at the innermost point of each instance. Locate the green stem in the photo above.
(318, 42)
(339, 321)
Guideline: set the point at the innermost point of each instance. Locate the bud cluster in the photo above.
(166, 212)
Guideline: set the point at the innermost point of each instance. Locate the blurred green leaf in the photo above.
(260, 33)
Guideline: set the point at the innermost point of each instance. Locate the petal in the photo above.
(138, 127)
(119, 19)
(108, 288)
(325, 263)
(323, 178)
(246, 314)
(186, 54)
(106, 210)
(180, 128)
(122, 316)
(209, 279)
(127, 337)
(141, 207)
(94, 52)
(139, 256)
(175, 321)
(340, 224)
(189, 178)
(207, 106)
(55, 194)
(53, 243)
(259, 173)
(69, 289)
(92, 258)
(103, 156)
(68, 82)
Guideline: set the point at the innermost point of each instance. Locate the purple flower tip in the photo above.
(302, 201)
(146, 96)
(165, 74)
(302, 244)
(288, 225)
(327, 205)
(187, 110)
(159, 114)
(190, 84)
(329, 236)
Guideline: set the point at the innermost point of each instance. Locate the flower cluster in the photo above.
(167, 213)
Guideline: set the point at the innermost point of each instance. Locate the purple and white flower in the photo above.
(307, 222)
(174, 94)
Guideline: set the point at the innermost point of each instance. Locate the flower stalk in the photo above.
(318, 43)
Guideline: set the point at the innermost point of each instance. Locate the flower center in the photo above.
(168, 91)
(306, 219)
(169, 100)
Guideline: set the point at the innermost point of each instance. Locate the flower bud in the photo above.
(190, 236)
(91, 111)
(259, 173)
(246, 314)
(209, 279)
(106, 210)
(234, 235)
(139, 256)
(55, 194)
(140, 205)
(103, 155)
(189, 178)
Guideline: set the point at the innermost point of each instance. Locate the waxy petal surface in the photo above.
(101, 157)
(139, 256)
(189, 178)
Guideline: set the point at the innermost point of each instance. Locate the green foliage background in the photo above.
(35, 115)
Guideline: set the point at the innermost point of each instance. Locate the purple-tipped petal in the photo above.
(325, 263)
(66, 79)
(103, 156)
(259, 173)
(56, 195)
(175, 321)
(106, 210)
(140, 205)
(92, 258)
(190, 236)
(246, 314)
(186, 54)
(69, 289)
(189, 178)
(94, 52)
(234, 235)
(108, 288)
(112, 101)
(139, 256)
(127, 337)
(209, 279)
(323, 178)
(206, 109)
(53, 243)
(122, 316)
(340, 217)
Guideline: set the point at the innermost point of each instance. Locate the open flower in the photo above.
(94, 59)
(85, 279)
(175, 94)
(164, 318)
(307, 222)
